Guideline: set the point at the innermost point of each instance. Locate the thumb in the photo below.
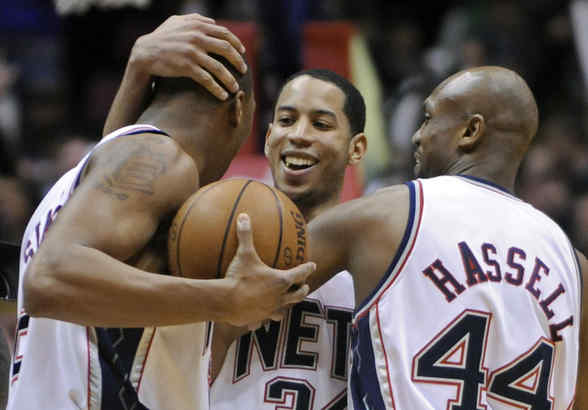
(245, 236)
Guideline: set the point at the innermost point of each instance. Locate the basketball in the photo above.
(202, 238)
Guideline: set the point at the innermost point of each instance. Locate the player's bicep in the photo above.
(332, 237)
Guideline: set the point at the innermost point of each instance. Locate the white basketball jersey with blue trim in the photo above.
(480, 308)
(61, 365)
(300, 362)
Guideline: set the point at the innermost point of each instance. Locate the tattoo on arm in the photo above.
(137, 172)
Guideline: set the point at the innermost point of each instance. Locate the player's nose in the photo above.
(300, 134)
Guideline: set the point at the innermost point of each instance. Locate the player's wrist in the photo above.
(137, 70)
(235, 302)
(225, 306)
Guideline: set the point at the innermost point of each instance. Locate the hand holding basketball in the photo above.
(260, 290)
(244, 231)
(202, 239)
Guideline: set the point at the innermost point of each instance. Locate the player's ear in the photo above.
(267, 135)
(357, 148)
(473, 133)
(236, 109)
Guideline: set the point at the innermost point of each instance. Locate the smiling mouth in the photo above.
(297, 163)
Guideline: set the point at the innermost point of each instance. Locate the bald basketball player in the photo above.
(90, 308)
(467, 297)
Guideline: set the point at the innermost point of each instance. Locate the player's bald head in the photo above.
(500, 95)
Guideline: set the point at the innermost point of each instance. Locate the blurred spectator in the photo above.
(15, 209)
(579, 227)
(9, 102)
(70, 152)
(60, 72)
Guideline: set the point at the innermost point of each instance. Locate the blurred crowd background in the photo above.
(61, 62)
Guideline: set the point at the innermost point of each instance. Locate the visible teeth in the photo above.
(298, 162)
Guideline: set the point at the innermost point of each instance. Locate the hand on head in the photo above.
(259, 292)
(180, 47)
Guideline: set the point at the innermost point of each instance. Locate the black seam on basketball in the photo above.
(181, 227)
(228, 229)
(281, 219)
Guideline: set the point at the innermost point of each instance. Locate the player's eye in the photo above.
(322, 125)
(285, 121)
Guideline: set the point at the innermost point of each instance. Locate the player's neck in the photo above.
(503, 176)
(190, 128)
(311, 211)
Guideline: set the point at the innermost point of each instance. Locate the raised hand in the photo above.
(179, 47)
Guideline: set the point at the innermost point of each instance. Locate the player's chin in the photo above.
(297, 192)
(292, 191)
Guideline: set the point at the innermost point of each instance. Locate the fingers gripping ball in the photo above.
(203, 239)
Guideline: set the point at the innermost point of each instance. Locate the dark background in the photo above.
(61, 62)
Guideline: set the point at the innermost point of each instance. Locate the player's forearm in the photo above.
(130, 99)
(223, 336)
(88, 287)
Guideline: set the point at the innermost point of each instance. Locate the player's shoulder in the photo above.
(386, 198)
(387, 206)
(146, 157)
(145, 142)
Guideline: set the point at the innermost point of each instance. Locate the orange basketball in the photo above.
(203, 239)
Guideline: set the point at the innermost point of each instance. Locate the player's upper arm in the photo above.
(130, 185)
(358, 234)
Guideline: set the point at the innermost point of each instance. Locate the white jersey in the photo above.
(175, 371)
(60, 366)
(300, 362)
(480, 308)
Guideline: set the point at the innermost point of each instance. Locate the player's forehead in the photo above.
(447, 97)
(306, 93)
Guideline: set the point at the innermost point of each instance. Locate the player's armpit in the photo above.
(222, 337)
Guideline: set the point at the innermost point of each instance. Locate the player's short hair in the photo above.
(174, 85)
(354, 106)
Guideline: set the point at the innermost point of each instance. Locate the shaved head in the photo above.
(479, 122)
(500, 95)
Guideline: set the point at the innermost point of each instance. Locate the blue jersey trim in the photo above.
(400, 250)
(116, 350)
(145, 131)
(486, 182)
(364, 384)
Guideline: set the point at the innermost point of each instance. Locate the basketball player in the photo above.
(88, 305)
(316, 132)
(467, 297)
